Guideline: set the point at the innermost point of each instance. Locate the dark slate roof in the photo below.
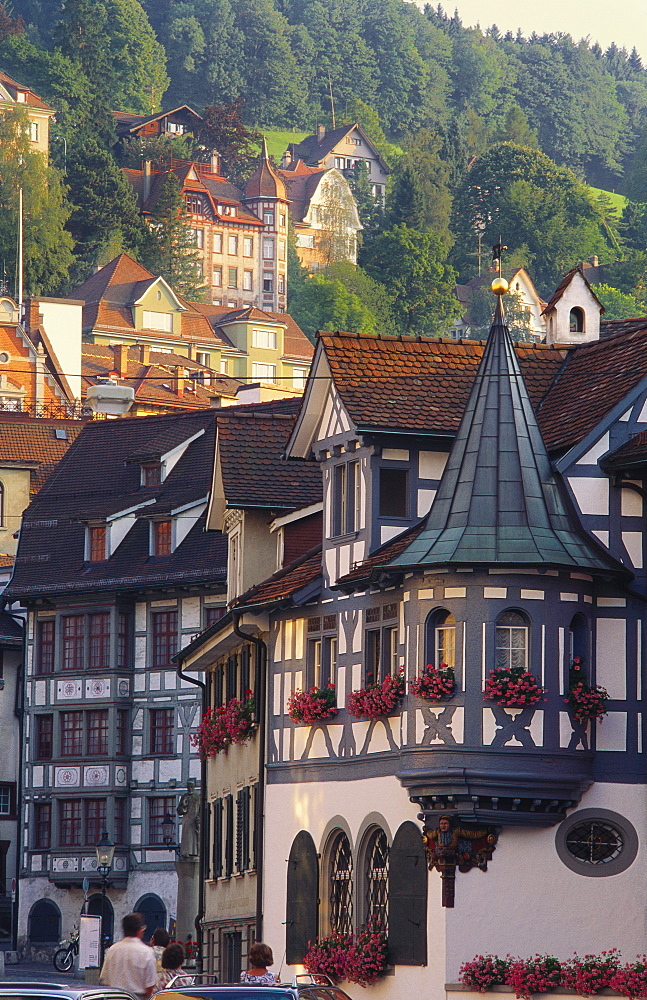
(99, 477)
(284, 584)
(610, 326)
(34, 440)
(595, 378)
(251, 443)
(499, 501)
(11, 631)
(314, 148)
(420, 384)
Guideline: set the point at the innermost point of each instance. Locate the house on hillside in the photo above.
(270, 510)
(341, 148)
(324, 214)
(529, 305)
(116, 573)
(241, 235)
(177, 121)
(482, 509)
(13, 94)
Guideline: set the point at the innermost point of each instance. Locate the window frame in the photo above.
(162, 538)
(153, 820)
(500, 661)
(161, 731)
(386, 470)
(162, 640)
(346, 498)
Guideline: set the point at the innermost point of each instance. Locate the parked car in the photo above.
(301, 988)
(56, 991)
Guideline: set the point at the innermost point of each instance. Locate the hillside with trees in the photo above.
(486, 132)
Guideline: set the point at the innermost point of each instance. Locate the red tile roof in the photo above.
(32, 99)
(295, 343)
(364, 572)
(418, 384)
(110, 293)
(265, 181)
(595, 378)
(283, 585)
(34, 440)
(563, 285)
(629, 455)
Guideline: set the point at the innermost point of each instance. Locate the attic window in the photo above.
(162, 539)
(151, 474)
(97, 538)
(576, 320)
(60, 433)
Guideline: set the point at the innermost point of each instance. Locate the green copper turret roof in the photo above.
(499, 501)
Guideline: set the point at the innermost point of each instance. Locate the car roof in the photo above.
(60, 989)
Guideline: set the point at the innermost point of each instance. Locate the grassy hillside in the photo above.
(617, 200)
(277, 142)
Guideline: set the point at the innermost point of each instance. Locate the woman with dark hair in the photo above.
(260, 956)
(172, 958)
(158, 943)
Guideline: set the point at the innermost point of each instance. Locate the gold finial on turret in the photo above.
(499, 286)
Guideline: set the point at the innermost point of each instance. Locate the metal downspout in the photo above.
(203, 826)
(259, 818)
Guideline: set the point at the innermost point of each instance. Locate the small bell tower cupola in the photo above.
(573, 312)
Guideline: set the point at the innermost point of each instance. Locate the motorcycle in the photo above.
(64, 955)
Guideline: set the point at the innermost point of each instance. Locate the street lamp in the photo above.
(105, 853)
(168, 832)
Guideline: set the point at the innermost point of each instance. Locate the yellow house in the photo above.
(38, 111)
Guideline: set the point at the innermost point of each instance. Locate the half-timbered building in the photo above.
(483, 508)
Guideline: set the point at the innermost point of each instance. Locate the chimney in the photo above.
(120, 352)
(287, 159)
(214, 161)
(147, 182)
(595, 260)
(145, 354)
(33, 317)
(321, 131)
(179, 378)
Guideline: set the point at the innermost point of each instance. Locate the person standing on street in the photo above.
(130, 964)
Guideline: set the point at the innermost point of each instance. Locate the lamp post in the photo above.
(105, 853)
(168, 832)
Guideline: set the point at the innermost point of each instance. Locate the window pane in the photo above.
(99, 647)
(164, 638)
(376, 878)
(95, 820)
(98, 731)
(161, 730)
(71, 734)
(44, 736)
(341, 886)
(43, 825)
(157, 810)
(73, 642)
(393, 493)
(70, 822)
(45, 650)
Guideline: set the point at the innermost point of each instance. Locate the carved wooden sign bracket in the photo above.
(450, 846)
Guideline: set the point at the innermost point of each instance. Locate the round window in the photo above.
(596, 842)
(4, 357)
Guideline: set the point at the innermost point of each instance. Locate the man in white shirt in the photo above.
(130, 964)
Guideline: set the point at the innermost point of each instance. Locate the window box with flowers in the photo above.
(222, 726)
(584, 976)
(585, 702)
(376, 700)
(315, 705)
(434, 683)
(513, 687)
(360, 957)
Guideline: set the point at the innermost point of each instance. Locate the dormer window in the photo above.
(151, 474)
(97, 543)
(576, 320)
(162, 537)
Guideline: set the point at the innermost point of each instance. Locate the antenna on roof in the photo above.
(332, 101)
(19, 263)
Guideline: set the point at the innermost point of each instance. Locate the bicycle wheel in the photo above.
(63, 959)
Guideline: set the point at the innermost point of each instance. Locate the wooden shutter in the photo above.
(217, 839)
(302, 897)
(244, 829)
(229, 835)
(206, 840)
(407, 898)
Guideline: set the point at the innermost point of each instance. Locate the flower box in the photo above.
(585, 702)
(513, 687)
(222, 726)
(434, 683)
(377, 699)
(314, 705)
(360, 957)
(584, 976)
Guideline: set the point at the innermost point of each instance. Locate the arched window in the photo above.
(44, 923)
(440, 643)
(512, 640)
(340, 885)
(376, 879)
(578, 637)
(576, 320)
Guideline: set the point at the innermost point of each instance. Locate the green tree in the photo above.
(322, 304)
(117, 49)
(413, 267)
(47, 245)
(516, 128)
(481, 311)
(633, 225)
(419, 193)
(173, 254)
(548, 219)
(105, 218)
(357, 111)
(370, 207)
(158, 149)
(371, 293)
(617, 304)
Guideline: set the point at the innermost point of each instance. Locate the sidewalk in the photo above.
(39, 972)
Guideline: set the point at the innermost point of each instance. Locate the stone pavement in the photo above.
(39, 972)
